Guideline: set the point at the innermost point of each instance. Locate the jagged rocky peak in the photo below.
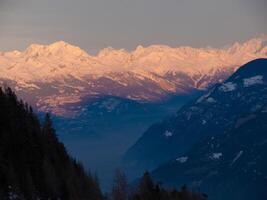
(254, 45)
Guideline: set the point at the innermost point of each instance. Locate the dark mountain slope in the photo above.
(33, 163)
(230, 166)
(214, 113)
(112, 113)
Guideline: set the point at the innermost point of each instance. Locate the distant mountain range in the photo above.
(59, 75)
(214, 113)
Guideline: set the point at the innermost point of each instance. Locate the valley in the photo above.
(108, 126)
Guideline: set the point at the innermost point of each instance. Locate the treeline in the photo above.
(148, 190)
(34, 164)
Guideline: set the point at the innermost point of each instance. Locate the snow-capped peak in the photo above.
(59, 48)
(252, 46)
(34, 49)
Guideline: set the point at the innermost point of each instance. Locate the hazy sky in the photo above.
(94, 24)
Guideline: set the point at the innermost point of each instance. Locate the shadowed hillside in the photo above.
(33, 163)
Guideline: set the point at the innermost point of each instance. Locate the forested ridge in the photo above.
(34, 164)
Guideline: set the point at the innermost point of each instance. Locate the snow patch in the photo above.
(237, 157)
(11, 194)
(211, 100)
(253, 80)
(228, 87)
(182, 159)
(110, 104)
(216, 156)
(200, 99)
(168, 134)
(263, 143)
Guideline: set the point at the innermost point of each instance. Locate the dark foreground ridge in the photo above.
(33, 163)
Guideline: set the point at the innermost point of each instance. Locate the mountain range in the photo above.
(216, 143)
(54, 77)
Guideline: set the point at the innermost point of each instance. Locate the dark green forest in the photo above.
(34, 164)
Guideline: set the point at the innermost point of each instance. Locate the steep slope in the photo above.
(33, 163)
(230, 166)
(60, 74)
(214, 113)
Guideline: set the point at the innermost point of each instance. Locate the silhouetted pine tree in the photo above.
(120, 186)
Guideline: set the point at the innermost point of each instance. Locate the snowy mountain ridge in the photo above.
(63, 59)
(61, 73)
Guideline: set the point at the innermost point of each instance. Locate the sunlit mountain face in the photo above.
(59, 77)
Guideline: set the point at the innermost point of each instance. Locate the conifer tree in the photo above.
(120, 186)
